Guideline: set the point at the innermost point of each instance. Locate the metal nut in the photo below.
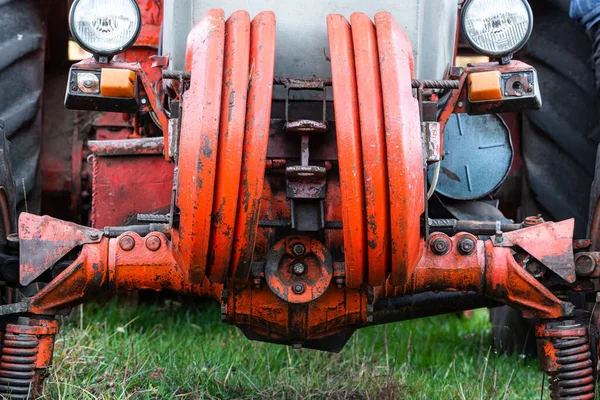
(466, 246)
(299, 268)
(440, 246)
(298, 288)
(127, 243)
(153, 243)
(298, 249)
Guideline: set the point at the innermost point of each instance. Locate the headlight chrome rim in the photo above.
(103, 53)
(498, 54)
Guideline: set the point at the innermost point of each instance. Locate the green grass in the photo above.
(174, 351)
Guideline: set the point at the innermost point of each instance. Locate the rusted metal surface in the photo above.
(487, 270)
(231, 143)
(550, 243)
(565, 355)
(27, 348)
(305, 125)
(298, 269)
(138, 180)
(374, 154)
(262, 64)
(199, 143)
(127, 147)
(404, 148)
(45, 240)
(347, 118)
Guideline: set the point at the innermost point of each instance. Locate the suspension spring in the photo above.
(26, 354)
(564, 352)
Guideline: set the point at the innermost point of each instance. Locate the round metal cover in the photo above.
(478, 156)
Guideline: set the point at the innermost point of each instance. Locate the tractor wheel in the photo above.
(558, 142)
(22, 41)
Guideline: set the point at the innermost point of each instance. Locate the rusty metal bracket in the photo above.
(45, 240)
(551, 243)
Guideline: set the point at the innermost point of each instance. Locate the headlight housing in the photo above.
(105, 27)
(497, 28)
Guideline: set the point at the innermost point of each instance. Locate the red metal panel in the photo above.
(231, 143)
(348, 139)
(198, 144)
(125, 186)
(374, 155)
(404, 147)
(258, 117)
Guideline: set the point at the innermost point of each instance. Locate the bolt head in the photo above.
(536, 269)
(440, 246)
(153, 243)
(299, 268)
(127, 243)
(466, 246)
(585, 265)
(298, 288)
(298, 249)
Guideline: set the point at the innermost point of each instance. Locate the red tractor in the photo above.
(315, 169)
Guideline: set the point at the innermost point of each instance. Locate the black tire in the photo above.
(558, 142)
(7, 191)
(22, 44)
(511, 332)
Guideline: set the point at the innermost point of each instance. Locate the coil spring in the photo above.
(17, 365)
(575, 377)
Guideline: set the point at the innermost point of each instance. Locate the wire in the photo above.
(434, 181)
(155, 119)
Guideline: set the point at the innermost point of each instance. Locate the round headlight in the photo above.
(497, 27)
(105, 27)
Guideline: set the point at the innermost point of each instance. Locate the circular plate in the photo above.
(298, 276)
(478, 156)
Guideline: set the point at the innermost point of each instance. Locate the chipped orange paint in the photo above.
(258, 120)
(404, 146)
(343, 75)
(374, 153)
(198, 146)
(231, 143)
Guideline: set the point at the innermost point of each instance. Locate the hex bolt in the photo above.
(536, 269)
(585, 264)
(153, 243)
(298, 249)
(94, 236)
(298, 288)
(299, 268)
(127, 243)
(466, 246)
(440, 246)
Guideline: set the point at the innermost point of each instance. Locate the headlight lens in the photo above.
(105, 27)
(497, 27)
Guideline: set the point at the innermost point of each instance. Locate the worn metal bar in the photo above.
(435, 84)
(427, 304)
(453, 226)
(142, 230)
(125, 147)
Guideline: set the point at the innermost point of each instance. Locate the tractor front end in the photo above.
(301, 167)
